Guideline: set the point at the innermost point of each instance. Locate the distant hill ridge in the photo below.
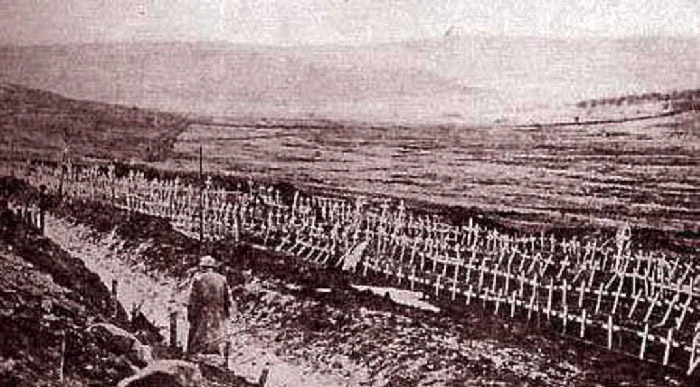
(40, 121)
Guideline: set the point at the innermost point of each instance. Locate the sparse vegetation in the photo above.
(45, 123)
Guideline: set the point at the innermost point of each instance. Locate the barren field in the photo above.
(643, 172)
(570, 174)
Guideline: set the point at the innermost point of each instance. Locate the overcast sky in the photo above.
(347, 22)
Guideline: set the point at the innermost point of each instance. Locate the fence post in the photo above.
(62, 360)
(263, 376)
(115, 302)
(42, 205)
(173, 330)
(201, 202)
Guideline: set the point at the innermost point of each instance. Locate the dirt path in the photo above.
(159, 295)
(308, 342)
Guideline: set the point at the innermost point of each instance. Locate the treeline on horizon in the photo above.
(677, 100)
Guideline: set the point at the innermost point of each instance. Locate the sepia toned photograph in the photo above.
(349, 193)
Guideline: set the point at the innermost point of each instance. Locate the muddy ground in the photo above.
(47, 297)
(309, 326)
(48, 300)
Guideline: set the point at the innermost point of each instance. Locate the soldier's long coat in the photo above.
(208, 312)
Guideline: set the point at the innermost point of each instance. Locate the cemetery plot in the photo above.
(599, 290)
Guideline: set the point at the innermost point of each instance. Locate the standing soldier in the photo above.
(208, 310)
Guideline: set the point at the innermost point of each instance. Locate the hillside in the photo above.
(44, 123)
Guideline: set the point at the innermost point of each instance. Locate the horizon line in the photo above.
(444, 39)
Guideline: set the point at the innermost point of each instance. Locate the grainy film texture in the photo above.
(349, 193)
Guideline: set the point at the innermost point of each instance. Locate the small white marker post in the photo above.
(481, 276)
(669, 345)
(600, 295)
(550, 293)
(679, 320)
(454, 283)
(651, 307)
(610, 331)
(634, 304)
(413, 278)
(531, 306)
(643, 347)
(493, 283)
(498, 301)
(507, 288)
(617, 296)
(693, 355)
(583, 324)
(437, 286)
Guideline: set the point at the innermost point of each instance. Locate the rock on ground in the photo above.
(174, 373)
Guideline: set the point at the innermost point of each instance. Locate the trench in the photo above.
(373, 348)
(157, 295)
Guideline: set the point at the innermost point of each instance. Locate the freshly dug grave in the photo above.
(296, 318)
